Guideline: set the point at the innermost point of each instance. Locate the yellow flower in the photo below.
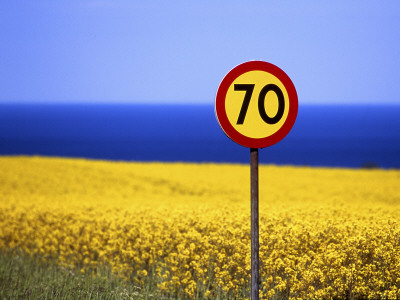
(323, 232)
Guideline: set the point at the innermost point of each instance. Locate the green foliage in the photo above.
(23, 277)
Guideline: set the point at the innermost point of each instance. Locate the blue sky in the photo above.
(179, 51)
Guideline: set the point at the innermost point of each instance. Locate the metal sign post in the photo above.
(256, 106)
(255, 246)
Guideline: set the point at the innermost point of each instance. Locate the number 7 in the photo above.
(249, 88)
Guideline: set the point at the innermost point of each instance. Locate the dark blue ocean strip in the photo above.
(330, 135)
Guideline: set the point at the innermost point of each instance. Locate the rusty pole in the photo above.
(254, 224)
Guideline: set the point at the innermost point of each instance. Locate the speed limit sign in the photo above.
(256, 104)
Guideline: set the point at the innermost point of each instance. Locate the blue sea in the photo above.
(330, 135)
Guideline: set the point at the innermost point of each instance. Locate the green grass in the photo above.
(23, 277)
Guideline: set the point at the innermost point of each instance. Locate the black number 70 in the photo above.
(248, 88)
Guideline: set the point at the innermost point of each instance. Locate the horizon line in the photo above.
(184, 103)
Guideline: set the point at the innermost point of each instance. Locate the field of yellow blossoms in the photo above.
(324, 233)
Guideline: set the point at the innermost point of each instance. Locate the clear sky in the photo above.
(335, 51)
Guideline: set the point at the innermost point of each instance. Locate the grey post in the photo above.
(254, 224)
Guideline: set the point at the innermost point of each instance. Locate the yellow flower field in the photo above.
(324, 233)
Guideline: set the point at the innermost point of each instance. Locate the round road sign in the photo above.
(256, 104)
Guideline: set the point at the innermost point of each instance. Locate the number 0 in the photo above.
(261, 102)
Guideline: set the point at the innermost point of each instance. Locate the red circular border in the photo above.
(222, 118)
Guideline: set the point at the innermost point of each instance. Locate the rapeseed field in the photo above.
(324, 233)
